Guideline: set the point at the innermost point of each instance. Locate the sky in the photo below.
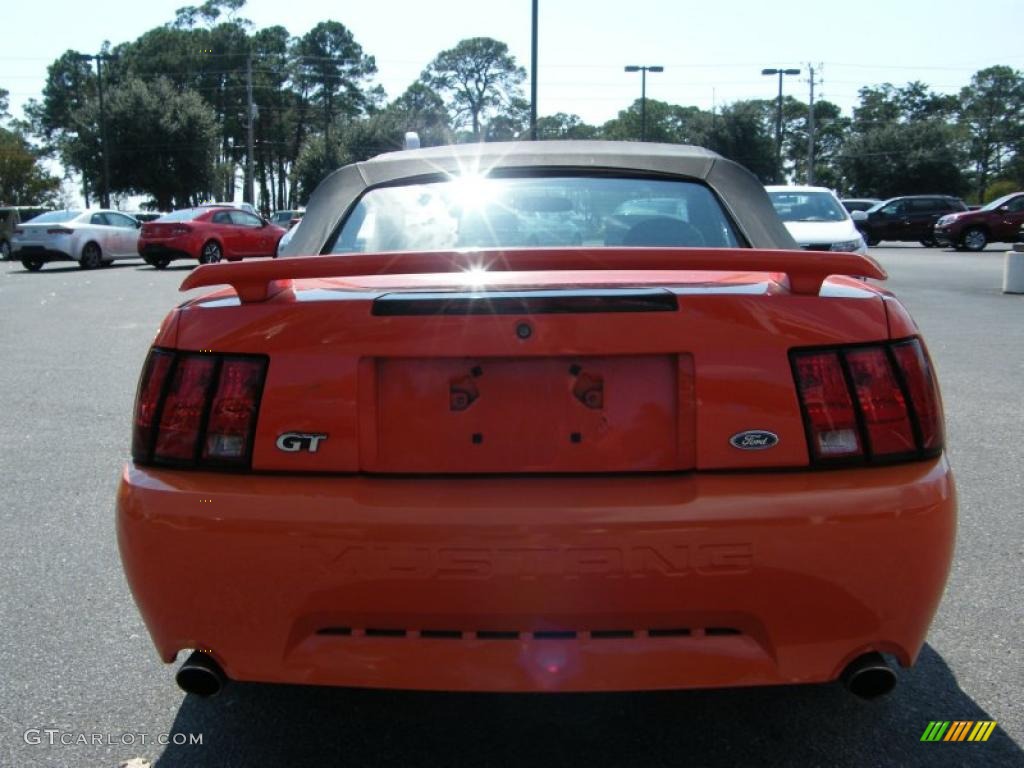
(713, 52)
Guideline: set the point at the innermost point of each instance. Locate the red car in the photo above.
(208, 235)
(408, 460)
(998, 222)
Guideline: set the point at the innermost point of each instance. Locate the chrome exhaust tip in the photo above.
(201, 675)
(869, 676)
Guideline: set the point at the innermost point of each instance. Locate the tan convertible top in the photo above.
(739, 191)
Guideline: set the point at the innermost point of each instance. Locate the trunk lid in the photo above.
(545, 372)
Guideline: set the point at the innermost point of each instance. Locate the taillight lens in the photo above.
(197, 409)
(233, 412)
(147, 401)
(828, 406)
(923, 388)
(182, 414)
(886, 419)
(872, 402)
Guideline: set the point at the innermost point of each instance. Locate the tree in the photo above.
(743, 132)
(23, 179)
(57, 119)
(904, 159)
(333, 68)
(162, 142)
(664, 122)
(563, 126)
(511, 123)
(208, 13)
(315, 161)
(422, 109)
(480, 77)
(991, 111)
(831, 130)
(886, 104)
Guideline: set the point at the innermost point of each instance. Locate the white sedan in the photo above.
(816, 219)
(93, 238)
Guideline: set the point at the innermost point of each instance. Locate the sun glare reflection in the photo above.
(475, 276)
(473, 191)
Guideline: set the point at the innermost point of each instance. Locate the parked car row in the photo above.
(940, 220)
(96, 238)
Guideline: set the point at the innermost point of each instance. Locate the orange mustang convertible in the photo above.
(461, 442)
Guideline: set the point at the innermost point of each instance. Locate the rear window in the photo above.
(56, 217)
(807, 206)
(503, 212)
(187, 214)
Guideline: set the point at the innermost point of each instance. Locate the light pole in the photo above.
(778, 119)
(533, 74)
(643, 94)
(99, 58)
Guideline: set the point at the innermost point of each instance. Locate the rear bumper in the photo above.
(39, 252)
(539, 583)
(168, 250)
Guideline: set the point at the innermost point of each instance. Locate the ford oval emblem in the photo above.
(754, 440)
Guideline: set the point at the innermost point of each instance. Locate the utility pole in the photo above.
(247, 194)
(99, 58)
(810, 131)
(533, 75)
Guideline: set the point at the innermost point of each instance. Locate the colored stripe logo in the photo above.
(958, 730)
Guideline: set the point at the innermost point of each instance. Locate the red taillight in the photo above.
(923, 390)
(182, 413)
(19, 231)
(233, 412)
(881, 402)
(828, 406)
(147, 401)
(857, 404)
(197, 409)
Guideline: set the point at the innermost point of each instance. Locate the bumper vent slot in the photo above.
(549, 634)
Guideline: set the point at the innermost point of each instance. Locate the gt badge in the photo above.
(754, 440)
(293, 442)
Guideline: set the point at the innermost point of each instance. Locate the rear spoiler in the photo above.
(806, 270)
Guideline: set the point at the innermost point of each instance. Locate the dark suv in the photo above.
(911, 218)
(999, 221)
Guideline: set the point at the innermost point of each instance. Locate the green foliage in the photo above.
(664, 122)
(333, 66)
(741, 133)
(421, 109)
(563, 126)
(479, 76)
(999, 188)
(991, 113)
(23, 179)
(161, 141)
(904, 159)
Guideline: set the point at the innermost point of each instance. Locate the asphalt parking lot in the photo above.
(75, 657)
